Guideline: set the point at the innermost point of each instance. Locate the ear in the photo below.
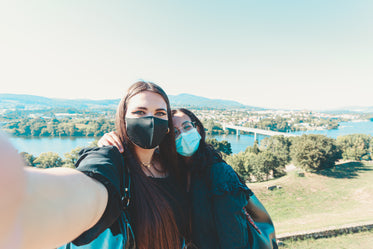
(168, 130)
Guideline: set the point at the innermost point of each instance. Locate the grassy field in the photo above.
(339, 196)
(347, 241)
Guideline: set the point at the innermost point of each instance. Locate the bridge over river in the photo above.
(256, 131)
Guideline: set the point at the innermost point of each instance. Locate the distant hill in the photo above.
(23, 101)
(33, 102)
(189, 100)
(352, 110)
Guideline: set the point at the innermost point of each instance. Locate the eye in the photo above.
(139, 112)
(187, 127)
(160, 114)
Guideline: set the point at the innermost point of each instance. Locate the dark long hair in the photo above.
(205, 155)
(155, 225)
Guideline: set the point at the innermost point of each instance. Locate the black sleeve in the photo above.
(104, 165)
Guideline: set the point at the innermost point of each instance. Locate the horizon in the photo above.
(343, 108)
(289, 55)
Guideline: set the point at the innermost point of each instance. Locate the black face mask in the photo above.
(146, 132)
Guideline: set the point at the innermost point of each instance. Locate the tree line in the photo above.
(94, 124)
(66, 127)
(260, 162)
(52, 159)
(282, 124)
(308, 152)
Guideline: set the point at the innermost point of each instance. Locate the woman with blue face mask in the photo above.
(218, 197)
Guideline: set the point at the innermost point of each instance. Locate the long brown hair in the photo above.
(155, 225)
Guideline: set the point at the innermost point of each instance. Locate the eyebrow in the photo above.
(186, 122)
(144, 108)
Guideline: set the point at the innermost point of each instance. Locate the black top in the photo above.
(105, 165)
(176, 197)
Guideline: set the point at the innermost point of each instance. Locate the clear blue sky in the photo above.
(281, 54)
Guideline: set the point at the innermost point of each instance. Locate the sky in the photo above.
(268, 53)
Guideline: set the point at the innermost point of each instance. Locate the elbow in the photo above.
(100, 200)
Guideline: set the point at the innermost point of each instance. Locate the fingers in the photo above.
(117, 141)
(103, 141)
(106, 140)
(111, 139)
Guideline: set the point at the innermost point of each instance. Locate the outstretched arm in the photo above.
(51, 207)
(11, 194)
(59, 205)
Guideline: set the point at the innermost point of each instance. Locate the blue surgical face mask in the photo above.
(187, 142)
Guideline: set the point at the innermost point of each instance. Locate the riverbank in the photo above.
(61, 145)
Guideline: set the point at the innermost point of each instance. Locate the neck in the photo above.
(188, 159)
(144, 155)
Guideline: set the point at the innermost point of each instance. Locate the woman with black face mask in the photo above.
(157, 210)
(86, 204)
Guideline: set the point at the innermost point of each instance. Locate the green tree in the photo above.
(236, 161)
(71, 158)
(48, 160)
(28, 159)
(279, 146)
(222, 146)
(315, 152)
(253, 149)
(242, 163)
(212, 127)
(265, 164)
(355, 146)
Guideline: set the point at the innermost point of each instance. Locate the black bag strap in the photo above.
(125, 190)
(125, 185)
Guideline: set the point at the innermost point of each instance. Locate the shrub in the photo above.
(315, 152)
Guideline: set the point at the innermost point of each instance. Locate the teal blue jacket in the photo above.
(218, 219)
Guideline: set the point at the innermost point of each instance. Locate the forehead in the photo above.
(147, 99)
(179, 118)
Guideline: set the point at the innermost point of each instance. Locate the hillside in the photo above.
(351, 110)
(189, 100)
(32, 102)
(22, 101)
(334, 197)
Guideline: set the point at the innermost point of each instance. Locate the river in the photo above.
(36, 146)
